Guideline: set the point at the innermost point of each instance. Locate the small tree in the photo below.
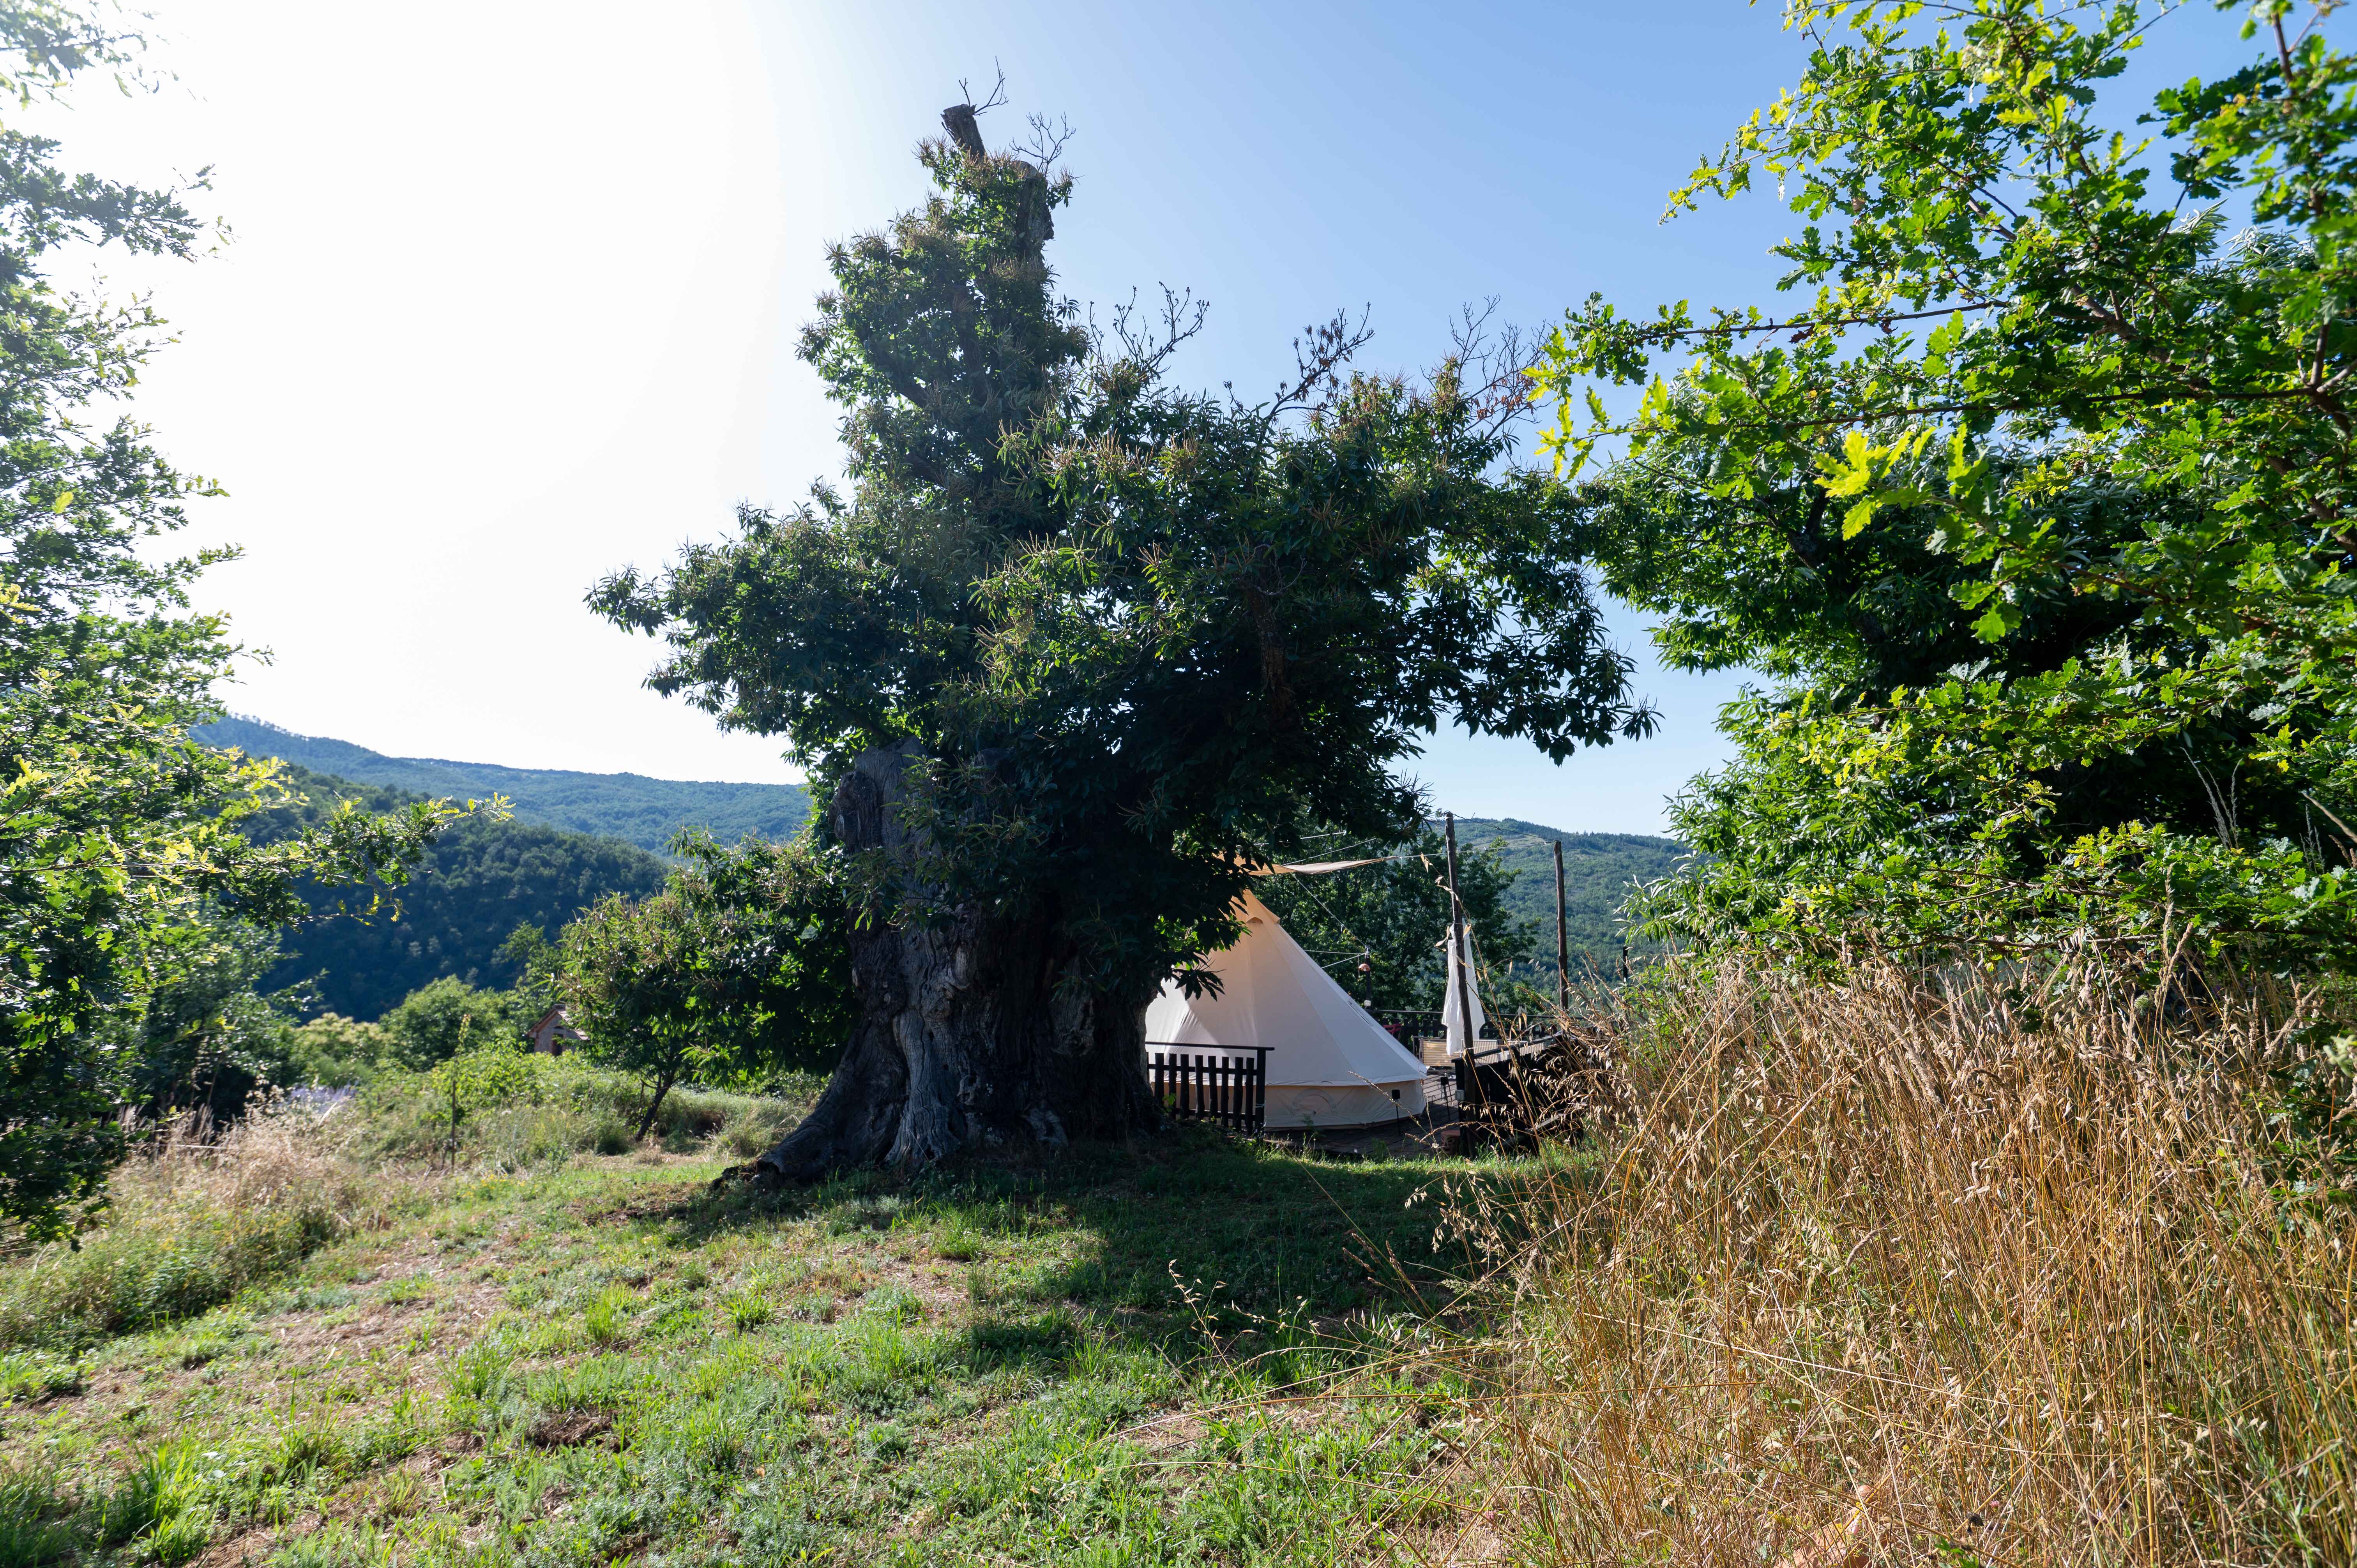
(725, 974)
(442, 1017)
(483, 1074)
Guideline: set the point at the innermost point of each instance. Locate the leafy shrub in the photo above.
(445, 1016)
(339, 1052)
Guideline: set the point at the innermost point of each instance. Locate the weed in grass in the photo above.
(957, 1240)
(207, 1341)
(478, 1373)
(301, 1452)
(400, 1493)
(885, 1440)
(1041, 1338)
(710, 1440)
(747, 1311)
(309, 1298)
(395, 1293)
(607, 1319)
(34, 1520)
(27, 1376)
(340, 1543)
(159, 1506)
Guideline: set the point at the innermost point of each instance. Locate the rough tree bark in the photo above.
(973, 1032)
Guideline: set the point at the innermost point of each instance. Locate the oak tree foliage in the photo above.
(2035, 502)
(1132, 638)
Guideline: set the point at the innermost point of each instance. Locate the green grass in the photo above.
(1183, 1353)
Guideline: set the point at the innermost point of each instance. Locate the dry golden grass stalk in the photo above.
(193, 1221)
(1882, 1272)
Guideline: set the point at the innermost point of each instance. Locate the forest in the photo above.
(1948, 1153)
(473, 889)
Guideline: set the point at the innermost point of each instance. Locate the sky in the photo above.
(508, 293)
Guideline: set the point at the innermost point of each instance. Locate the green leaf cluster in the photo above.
(117, 834)
(2038, 506)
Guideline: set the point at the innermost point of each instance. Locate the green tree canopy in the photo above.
(734, 972)
(1079, 645)
(116, 834)
(2036, 503)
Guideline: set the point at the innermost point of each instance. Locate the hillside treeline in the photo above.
(364, 948)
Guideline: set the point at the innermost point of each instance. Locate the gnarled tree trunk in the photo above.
(972, 1032)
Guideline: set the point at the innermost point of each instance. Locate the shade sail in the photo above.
(1452, 1016)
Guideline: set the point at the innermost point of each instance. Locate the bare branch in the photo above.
(1318, 356)
(1049, 138)
(960, 120)
(1147, 343)
(1493, 363)
(997, 91)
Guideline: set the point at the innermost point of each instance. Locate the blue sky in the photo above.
(513, 289)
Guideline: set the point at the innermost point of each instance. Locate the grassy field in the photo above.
(1187, 1353)
(1984, 1273)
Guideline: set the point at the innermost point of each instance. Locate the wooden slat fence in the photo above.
(1228, 1085)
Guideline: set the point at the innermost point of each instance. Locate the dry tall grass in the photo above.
(192, 1222)
(1882, 1272)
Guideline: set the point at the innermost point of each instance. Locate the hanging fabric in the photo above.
(1452, 1016)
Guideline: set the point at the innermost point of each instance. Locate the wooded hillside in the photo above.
(479, 882)
(1598, 872)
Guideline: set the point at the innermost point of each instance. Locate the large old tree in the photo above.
(1078, 648)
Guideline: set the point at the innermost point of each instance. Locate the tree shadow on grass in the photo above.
(1190, 1230)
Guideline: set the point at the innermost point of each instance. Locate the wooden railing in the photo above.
(1226, 1084)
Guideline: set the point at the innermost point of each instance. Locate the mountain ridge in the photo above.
(636, 808)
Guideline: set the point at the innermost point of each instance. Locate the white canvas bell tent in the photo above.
(1329, 1064)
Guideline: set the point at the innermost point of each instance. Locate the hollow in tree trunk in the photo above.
(974, 1031)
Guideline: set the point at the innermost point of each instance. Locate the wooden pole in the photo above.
(1562, 939)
